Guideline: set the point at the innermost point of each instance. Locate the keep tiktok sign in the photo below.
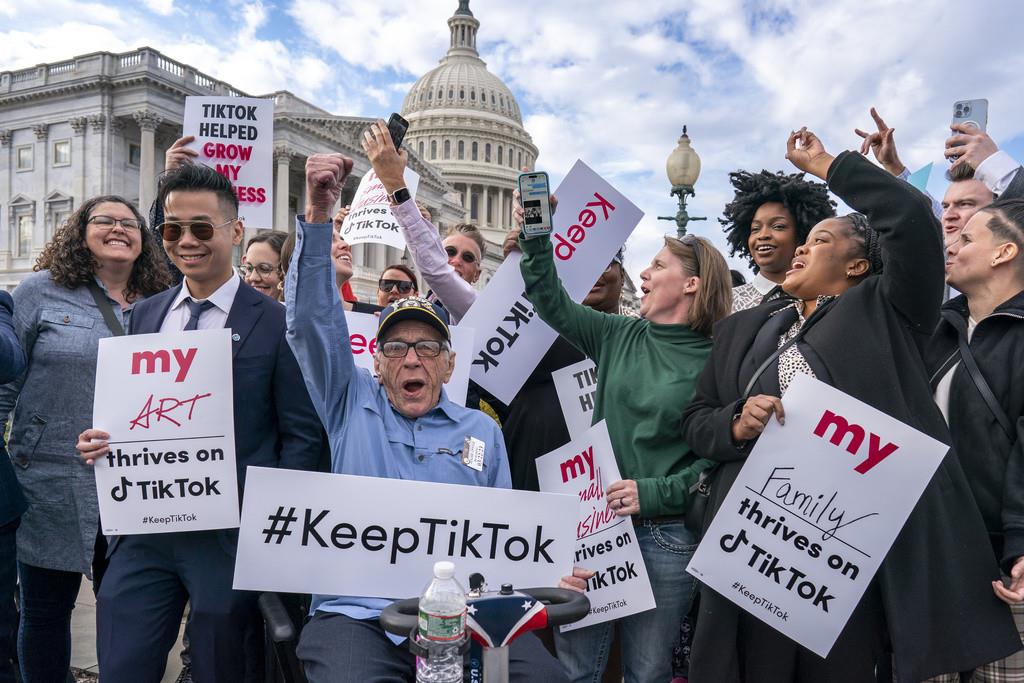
(166, 401)
(814, 511)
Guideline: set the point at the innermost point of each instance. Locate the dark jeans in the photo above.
(8, 582)
(47, 600)
(335, 647)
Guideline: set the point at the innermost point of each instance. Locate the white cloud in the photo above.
(161, 7)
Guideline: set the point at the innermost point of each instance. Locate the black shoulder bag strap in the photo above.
(103, 303)
(983, 387)
(701, 490)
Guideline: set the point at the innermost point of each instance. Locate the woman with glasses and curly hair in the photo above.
(261, 265)
(100, 263)
(647, 369)
(768, 218)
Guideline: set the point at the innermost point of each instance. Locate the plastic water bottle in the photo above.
(442, 625)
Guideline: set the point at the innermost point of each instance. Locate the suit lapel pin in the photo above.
(236, 337)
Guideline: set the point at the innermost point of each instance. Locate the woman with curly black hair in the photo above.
(861, 328)
(98, 265)
(770, 216)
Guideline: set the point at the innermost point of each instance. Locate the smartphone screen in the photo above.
(534, 192)
(397, 126)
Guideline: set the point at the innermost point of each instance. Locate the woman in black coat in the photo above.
(861, 329)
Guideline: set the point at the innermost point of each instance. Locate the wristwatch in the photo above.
(400, 196)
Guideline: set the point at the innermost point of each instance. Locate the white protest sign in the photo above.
(166, 400)
(592, 222)
(235, 135)
(370, 221)
(605, 542)
(814, 511)
(337, 534)
(362, 332)
(576, 386)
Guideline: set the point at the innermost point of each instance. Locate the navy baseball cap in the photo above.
(414, 308)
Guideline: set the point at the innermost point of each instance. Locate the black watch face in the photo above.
(401, 195)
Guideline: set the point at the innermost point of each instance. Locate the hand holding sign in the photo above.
(756, 412)
(624, 497)
(388, 163)
(325, 176)
(92, 444)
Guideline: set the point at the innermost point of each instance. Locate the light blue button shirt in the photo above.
(368, 436)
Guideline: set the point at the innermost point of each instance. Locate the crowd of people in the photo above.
(910, 305)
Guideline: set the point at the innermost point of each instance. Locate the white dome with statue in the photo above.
(466, 122)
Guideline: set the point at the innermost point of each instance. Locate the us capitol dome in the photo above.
(466, 122)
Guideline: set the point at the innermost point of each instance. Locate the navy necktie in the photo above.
(195, 309)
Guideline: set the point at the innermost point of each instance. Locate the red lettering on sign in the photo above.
(842, 427)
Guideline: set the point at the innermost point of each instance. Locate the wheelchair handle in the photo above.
(564, 606)
(401, 616)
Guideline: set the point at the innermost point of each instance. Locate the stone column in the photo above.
(97, 158)
(78, 154)
(148, 122)
(5, 227)
(485, 214)
(42, 159)
(283, 159)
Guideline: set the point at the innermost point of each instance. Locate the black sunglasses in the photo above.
(403, 286)
(466, 256)
(694, 244)
(171, 231)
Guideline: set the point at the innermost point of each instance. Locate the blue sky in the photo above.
(609, 82)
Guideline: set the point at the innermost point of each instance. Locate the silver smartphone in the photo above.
(973, 112)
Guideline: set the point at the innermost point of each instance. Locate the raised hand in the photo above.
(881, 144)
(805, 151)
(969, 145)
(179, 154)
(340, 215)
(325, 177)
(388, 163)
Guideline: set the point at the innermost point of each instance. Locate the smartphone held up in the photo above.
(535, 194)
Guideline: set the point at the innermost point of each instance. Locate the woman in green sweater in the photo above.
(647, 370)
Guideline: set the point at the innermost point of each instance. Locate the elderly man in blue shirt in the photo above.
(399, 425)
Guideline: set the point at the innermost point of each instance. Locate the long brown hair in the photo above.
(713, 298)
(72, 264)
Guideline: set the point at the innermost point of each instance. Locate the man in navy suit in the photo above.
(150, 577)
(12, 503)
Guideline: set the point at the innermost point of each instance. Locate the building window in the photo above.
(462, 149)
(134, 155)
(462, 94)
(433, 149)
(62, 153)
(421, 148)
(473, 155)
(451, 93)
(511, 161)
(501, 159)
(440, 93)
(487, 152)
(474, 201)
(447, 149)
(24, 156)
(26, 224)
(520, 156)
(472, 94)
(430, 95)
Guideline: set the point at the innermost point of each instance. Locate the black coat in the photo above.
(992, 460)
(935, 587)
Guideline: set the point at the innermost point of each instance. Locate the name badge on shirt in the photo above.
(473, 453)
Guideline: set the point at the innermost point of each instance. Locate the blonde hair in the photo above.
(713, 299)
(473, 233)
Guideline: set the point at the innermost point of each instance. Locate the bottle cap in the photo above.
(444, 570)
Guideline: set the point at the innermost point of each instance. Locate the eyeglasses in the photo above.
(108, 223)
(425, 348)
(466, 256)
(171, 231)
(263, 269)
(403, 286)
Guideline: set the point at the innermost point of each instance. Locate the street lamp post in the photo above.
(683, 169)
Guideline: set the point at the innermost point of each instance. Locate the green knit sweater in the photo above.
(646, 375)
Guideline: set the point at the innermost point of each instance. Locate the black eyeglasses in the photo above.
(108, 223)
(425, 348)
(171, 231)
(403, 286)
(466, 256)
(263, 269)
